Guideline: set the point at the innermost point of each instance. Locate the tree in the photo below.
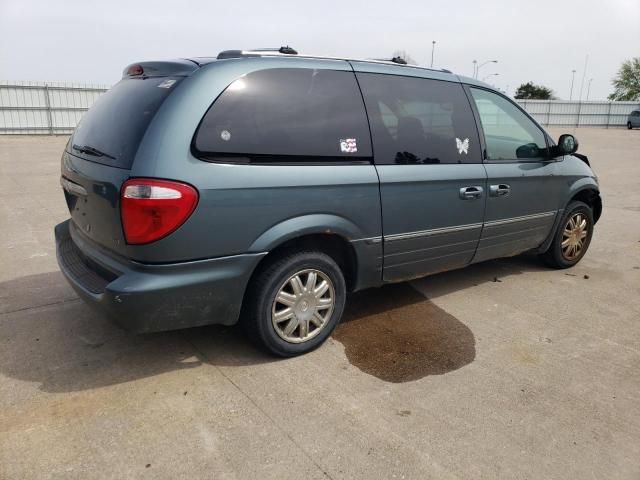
(531, 91)
(627, 81)
(405, 56)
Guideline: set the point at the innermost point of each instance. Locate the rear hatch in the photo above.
(100, 154)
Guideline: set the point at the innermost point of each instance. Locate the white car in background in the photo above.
(634, 119)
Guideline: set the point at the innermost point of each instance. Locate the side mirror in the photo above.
(567, 144)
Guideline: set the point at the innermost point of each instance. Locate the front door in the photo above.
(524, 187)
(432, 181)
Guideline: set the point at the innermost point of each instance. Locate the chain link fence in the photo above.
(56, 108)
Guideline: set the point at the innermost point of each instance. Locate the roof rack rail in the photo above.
(398, 60)
(284, 50)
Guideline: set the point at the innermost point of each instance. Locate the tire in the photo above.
(268, 322)
(558, 256)
(629, 126)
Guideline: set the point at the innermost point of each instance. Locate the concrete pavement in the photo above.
(502, 370)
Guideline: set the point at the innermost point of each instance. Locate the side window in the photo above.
(419, 121)
(292, 113)
(509, 133)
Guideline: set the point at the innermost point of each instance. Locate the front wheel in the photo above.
(294, 303)
(572, 238)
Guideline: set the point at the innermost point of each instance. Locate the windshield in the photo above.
(114, 126)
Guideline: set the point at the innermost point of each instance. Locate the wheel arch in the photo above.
(297, 227)
(586, 192)
(589, 194)
(334, 245)
(344, 241)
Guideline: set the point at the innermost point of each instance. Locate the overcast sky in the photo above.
(540, 41)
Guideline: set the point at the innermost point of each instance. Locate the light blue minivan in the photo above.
(262, 186)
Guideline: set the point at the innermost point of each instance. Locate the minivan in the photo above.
(262, 186)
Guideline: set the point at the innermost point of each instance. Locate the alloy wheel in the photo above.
(574, 236)
(303, 306)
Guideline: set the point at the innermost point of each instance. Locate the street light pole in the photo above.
(475, 65)
(589, 88)
(584, 73)
(433, 47)
(573, 76)
(490, 75)
(482, 65)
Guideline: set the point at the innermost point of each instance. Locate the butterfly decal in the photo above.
(463, 146)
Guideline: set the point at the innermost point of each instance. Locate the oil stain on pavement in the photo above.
(397, 335)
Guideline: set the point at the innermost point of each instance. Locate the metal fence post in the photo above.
(609, 115)
(548, 112)
(47, 103)
(579, 109)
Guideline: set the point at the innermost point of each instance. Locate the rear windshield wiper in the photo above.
(88, 149)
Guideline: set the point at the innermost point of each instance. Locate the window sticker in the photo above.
(463, 146)
(348, 145)
(167, 84)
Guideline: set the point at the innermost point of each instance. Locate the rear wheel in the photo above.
(294, 303)
(572, 238)
(629, 126)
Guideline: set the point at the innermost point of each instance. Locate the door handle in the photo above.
(470, 193)
(500, 190)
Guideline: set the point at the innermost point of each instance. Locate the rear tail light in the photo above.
(152, 209)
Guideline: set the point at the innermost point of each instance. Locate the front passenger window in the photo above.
(509, 133)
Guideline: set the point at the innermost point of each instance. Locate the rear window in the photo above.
(287, 114)
(116, 123)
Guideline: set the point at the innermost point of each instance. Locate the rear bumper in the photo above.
(149, 298)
